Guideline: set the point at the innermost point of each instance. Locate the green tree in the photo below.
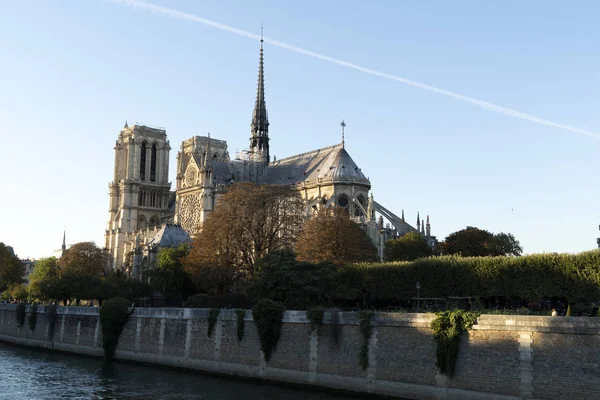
(507, 245)
(11, 269)
(82, 267)
(119, 284)
(45, 273)
(407, 247)
(330, 236)
(170, 276)
(19, 292)
(475, 242)
(297, 285)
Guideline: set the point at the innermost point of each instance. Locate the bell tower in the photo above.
(139, 192)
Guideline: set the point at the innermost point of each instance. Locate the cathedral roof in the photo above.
(170, 235)
(329, 163)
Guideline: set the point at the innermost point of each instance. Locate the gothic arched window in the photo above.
(357, 210)
(143, 162)
(153, 222)
(141, 223)
(153, 164)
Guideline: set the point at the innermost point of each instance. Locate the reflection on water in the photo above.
(34, 374)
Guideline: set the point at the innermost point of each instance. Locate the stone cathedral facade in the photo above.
(144, 213)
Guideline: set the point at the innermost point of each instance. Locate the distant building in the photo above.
(142, 204)
(26, 263)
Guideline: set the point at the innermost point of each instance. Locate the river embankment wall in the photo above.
(501, 358)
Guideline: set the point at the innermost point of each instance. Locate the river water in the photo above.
(29, 374)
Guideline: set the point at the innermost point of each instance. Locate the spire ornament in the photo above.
(343, 125)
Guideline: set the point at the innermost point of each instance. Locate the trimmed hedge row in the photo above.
(573, 277)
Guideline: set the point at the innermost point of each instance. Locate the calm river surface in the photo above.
(33, 374)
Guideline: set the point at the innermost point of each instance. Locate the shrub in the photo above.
(534, 277)
(33, 317)
(240, 324)
(114, 313)
(447, 330)
(365, 317)
(267, 316)
(213, 316)
(20, 314)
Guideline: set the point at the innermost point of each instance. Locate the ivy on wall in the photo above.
(315, 316)
(20, 314)
(51, 316)
(268, 315)
(114, 313)
(33, 317)
(240, 324)
(213, 316)
(448, 327)
(365, 317)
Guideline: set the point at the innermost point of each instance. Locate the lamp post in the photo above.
(418, 288)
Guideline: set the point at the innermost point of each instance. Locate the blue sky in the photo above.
(72, 72)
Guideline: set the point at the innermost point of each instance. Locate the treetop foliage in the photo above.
(407, 247)
(11, 269)
(250, 221)
(474, 242)
(330, 236)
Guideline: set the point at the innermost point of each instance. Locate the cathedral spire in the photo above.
(64, 245)
(418, 222)
(126, 126)
(259, 141)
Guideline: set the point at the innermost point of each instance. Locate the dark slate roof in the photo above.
(332, 163)
(170, 235)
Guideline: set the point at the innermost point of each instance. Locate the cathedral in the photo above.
(145, 215)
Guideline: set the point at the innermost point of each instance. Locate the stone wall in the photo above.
(502, 358)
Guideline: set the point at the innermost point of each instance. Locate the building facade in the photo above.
(142, 204)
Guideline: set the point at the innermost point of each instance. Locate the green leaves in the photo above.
(408, 247)
(268, 316)
(448, 327)
(573, 277)
(114, 314)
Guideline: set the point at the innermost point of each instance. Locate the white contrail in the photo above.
(142, 5)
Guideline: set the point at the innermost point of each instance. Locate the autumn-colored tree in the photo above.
(407, 247)
(330, 236)
(248, 222)
(11, 269)
(84, 258)
(475, 242)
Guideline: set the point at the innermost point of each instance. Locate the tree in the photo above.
(506, 244)
(330, 236)
(475, 242)
(81, 269)
(249, 221)
(169, 276)
(297, 285)
(45, 272)
(11, 269)
(407, 247)
(85, 259)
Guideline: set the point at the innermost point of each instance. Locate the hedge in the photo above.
(573, 277)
